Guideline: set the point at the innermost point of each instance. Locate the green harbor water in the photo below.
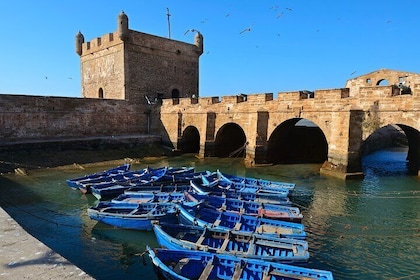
(363, 229)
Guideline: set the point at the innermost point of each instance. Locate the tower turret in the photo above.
(198, 41)
(123, 26)
(80, 39)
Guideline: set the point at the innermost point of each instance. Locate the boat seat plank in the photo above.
(251, 248)
(200, 240)
(238, 271)
(217, 223)
(224, 245)
(207, 270)
(237, 226)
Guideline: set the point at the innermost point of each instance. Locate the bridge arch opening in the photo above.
(392, 150)
(230, 141)
(297, 141)
(382, 82)
(190, 141)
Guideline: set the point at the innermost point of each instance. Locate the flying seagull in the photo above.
(245, 30)
(192, 30)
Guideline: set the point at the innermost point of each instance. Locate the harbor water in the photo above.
(361, 229)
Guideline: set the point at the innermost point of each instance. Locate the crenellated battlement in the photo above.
(101, 43)
(262, 98)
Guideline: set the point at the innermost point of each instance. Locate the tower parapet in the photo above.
(100, 43)
(123, 32)
(199, 42)
(80, 39)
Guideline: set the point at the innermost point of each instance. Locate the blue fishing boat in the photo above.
(187, 264)
(98, 176)
(143, 197)
(237, 243)
(111, 190)
(207, 217)
(125, 178)
(254, 181)
(152, 180)
(215, 183)
(133, 216)
(243, 193)
(265, 210)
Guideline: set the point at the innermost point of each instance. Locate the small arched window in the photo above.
(101, 93)
(175, 93)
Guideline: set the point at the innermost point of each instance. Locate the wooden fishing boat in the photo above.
(238, 243)
(143, 197)
(206, 217)
(126, 178)
(152, 180)
(270, 211)
(133, 216)
(265, 210)
(187, 264)
(220, 184)
(243, 194)
(254, 181)
(98, 176)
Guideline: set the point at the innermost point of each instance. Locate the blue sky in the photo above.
(288, 45)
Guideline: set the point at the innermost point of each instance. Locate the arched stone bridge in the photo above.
(267, 130)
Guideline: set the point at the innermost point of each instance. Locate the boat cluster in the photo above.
(209, 224)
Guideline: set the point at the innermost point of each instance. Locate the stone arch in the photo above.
(190, 141)
(297, 141)
(230, 141)
(413, 154)
(382, 82)
(101, 93)
(396, 135)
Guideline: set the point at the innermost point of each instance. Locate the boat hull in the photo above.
(212, 218)
(237, 243)
(185, 264)
(131, 216)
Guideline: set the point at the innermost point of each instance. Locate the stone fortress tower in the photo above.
(138, 67)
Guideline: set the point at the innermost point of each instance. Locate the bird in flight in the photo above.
(192, 30)
(245, 30)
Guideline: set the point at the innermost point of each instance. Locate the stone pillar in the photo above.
(345, 160)
(260, 155)
(207, 147)
(177, 144)
(413, 155)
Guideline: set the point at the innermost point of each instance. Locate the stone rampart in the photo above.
(32, 117)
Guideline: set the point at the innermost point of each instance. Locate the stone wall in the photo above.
(32, 117)
(157, 66)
